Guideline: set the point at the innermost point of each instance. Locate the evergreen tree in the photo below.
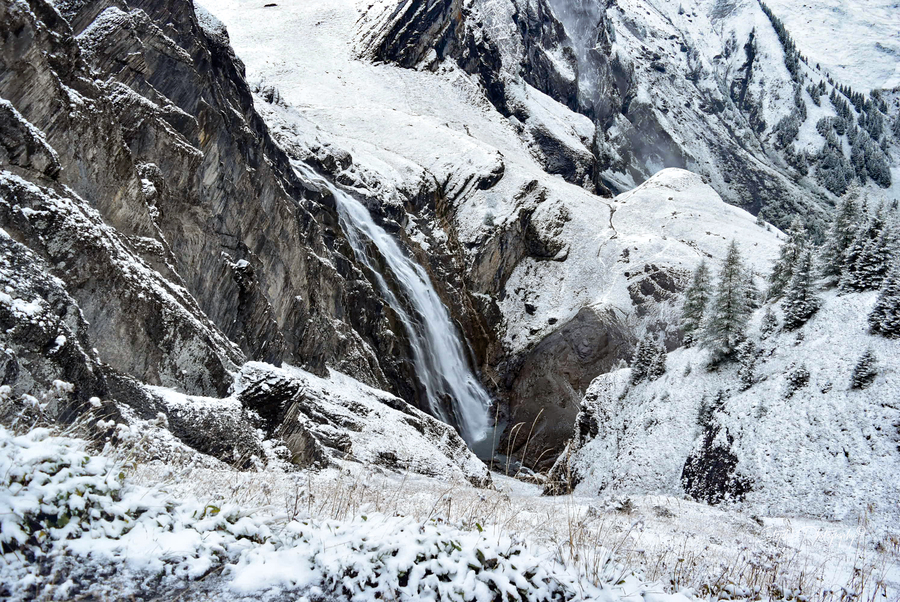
(885, 316)
(800, 301)
(658, 366)
(746, 357)
(788, 256)
(833, 170)
(844, 226)
(858, 158)
(769, 324)
(696, 298)
(867, 259)
(640, 363)
(865, 371)
(754, 296)
(726, 325)
(877, 165)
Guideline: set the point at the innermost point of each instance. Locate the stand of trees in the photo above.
(857, 255)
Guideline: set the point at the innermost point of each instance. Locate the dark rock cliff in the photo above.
(148, 121)
(154, 233)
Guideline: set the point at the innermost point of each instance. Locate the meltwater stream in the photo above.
(438, 352)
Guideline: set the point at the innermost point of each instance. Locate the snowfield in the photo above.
(856, 42)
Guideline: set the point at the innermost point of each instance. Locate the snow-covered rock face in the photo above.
(617, 272)
(700, 84)
(809, 446)
(153, 234)
(550, 283)
(324, 420)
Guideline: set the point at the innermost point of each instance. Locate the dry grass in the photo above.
(716, 554)
(678, 545)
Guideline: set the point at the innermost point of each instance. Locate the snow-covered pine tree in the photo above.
(746, 357)
(844, 227)
(754, 296)
(696, 298)
(788, 256)
(865, 371)
(641, 363)
(800, 301)
(867, 259)
(726, 325)
(885, 316)
(658, 366)
(769, 324)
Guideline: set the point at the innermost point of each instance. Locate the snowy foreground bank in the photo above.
(75, 524)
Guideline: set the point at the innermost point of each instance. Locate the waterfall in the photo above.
(581, 20)
(438, 352)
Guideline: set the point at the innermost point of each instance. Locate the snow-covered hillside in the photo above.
(798, 441)
(567, 280)
(191, 528)
(857, 42)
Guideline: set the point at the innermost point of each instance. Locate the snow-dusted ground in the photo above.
(205, 531)
(823, 449)
(857, 41)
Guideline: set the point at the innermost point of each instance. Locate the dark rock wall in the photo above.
(173, 221)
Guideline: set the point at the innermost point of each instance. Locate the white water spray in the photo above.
(438, 352)
(581, 20)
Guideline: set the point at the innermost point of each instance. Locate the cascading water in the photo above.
(438, 352)
(581, 20)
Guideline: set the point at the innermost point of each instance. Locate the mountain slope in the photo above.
(710, 86)
(799, 441)
(153, 234)
(552, 285)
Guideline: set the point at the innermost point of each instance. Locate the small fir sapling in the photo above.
(865, 371)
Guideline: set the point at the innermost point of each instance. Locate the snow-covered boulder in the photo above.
(323, 420)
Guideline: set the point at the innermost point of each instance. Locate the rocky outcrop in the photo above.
(411, 32)
(190, 185)
(324, 420)
(546, 394)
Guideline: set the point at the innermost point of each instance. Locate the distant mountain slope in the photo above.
(857, 42)
(711, 86)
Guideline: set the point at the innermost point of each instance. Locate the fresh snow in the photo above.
(824, 450)
(856, 42)
(210, 532)
(77, 516)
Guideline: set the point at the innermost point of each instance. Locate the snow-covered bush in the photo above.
(796, 379)
(72, 525)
